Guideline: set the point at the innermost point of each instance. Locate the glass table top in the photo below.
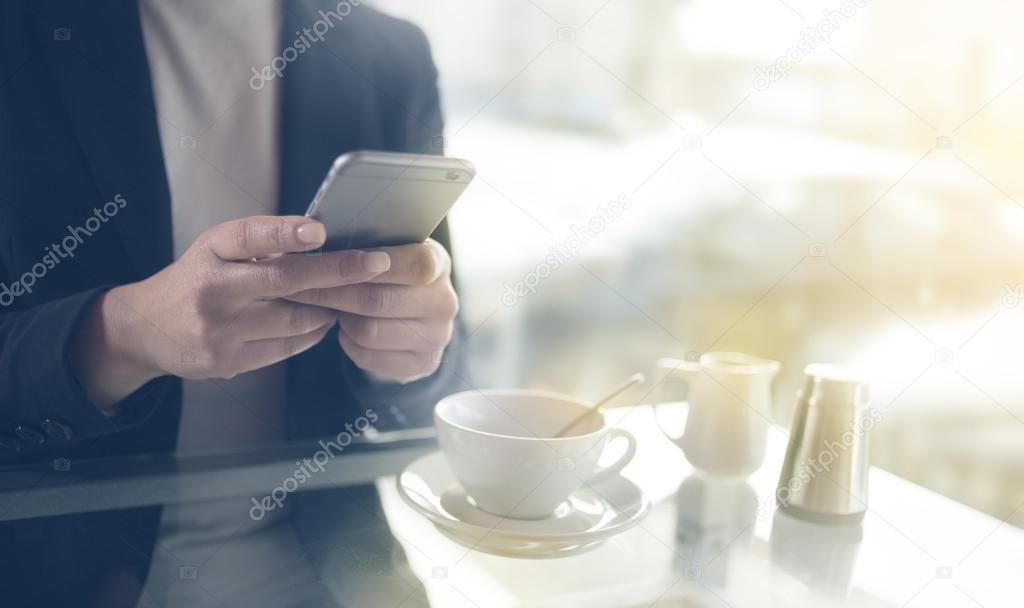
(271, 527)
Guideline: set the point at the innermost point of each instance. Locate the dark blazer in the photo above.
(78, 130)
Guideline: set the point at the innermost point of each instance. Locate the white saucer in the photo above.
(590, 515)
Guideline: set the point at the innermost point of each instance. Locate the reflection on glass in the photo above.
(713, 518)
(822, 556)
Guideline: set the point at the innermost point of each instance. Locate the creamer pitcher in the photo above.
(729, 397)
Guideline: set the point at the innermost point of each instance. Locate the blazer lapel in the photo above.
(103, 78)
(328, 104)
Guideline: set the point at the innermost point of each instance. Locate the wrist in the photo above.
(108, 352)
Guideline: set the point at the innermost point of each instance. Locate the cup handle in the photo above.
(673, 368)
(616, 467)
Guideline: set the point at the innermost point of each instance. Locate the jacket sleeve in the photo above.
(38, 387)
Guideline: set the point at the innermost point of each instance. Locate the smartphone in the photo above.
(375, 199)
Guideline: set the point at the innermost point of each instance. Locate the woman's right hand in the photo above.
(216, 312)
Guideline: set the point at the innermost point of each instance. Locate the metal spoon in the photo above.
(630, 382)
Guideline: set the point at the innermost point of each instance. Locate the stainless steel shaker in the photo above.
(824, 477)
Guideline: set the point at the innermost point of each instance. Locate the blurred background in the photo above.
(802, 180)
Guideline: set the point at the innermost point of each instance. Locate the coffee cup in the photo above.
(501, 446)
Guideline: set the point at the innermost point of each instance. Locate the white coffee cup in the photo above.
(501, 447)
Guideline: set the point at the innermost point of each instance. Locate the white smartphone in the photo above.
(375, 199)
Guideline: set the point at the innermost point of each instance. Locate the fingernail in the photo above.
(311, 234)
(439, 261)
(376, 261)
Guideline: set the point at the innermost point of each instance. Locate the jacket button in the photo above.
(29, 435)
(56, 429)
(10, 444)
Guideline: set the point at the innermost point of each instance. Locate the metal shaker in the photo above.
(824, 477)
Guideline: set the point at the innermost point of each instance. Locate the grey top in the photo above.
(220, 144)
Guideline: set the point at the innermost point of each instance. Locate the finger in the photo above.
(264, 235)
(279, 319)
(289, 274)
(401, 366)
(385, 301)
(397, 334)
(415, 264)
(261, 353)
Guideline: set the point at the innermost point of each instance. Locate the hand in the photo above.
(215, 312)
(396, 325)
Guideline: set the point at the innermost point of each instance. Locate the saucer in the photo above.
(589, 516)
